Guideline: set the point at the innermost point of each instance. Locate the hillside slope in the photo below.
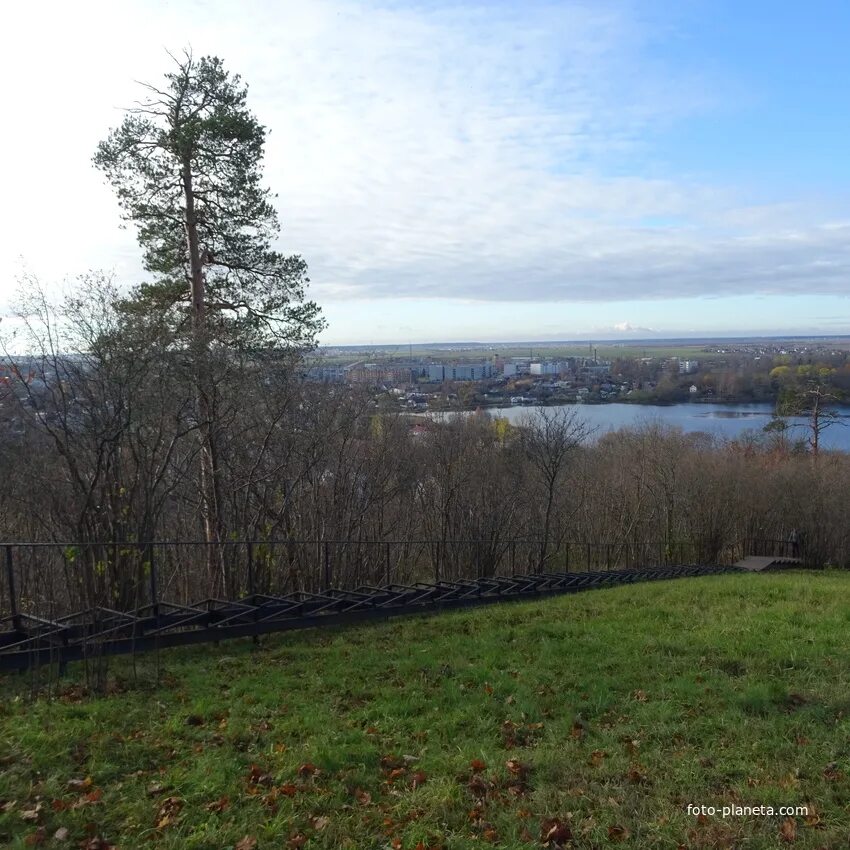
(584, 721)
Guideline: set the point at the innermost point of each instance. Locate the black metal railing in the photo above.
(66, 601)
(98, 633)
(55, 580)
(773, 548)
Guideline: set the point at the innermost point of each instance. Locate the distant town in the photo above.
(468, 376)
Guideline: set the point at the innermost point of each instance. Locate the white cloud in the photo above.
(629, 328)
(484, 152)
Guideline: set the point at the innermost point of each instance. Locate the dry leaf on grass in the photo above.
(788, 830)
(618, 833)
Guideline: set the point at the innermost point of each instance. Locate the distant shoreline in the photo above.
(609, 402)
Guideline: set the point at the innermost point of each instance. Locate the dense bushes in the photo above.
(101, 445)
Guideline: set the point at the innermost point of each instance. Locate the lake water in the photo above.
(726, 420)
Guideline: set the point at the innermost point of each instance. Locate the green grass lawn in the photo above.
(584, 721)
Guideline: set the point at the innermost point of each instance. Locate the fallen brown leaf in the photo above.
(554, 832)
(832, 773)
(788, 830)
(618, 833)
(596, 758)
(33, 814)
(479, 786)
(168, 812)
(219, 805)
(812, 819)
(34, 839)
(257, 776)
(94, 796)
(390, 762)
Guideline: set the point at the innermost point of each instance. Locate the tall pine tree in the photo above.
(186, 164)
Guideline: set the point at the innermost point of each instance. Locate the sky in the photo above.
(475, 171)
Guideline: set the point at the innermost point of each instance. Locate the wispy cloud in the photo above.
(493, 152)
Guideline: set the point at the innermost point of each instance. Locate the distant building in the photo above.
(326, 374)
(377, 374)
(460, 371)
(595, 370)
(548, 367)
(688, 367)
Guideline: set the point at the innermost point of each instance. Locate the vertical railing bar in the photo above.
(13, 596)
(153, 582)
(387, 564)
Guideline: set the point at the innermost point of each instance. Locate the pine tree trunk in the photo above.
(210, 484)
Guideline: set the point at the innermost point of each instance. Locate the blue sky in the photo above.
(784, 67)
(479, 171)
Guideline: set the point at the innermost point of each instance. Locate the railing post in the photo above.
(327, 557)
(250, 568)
(588, 557)
(567, 558)
(13, 596)
(387, 564)
(608, 556)
(153, 583)
(478, 558)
